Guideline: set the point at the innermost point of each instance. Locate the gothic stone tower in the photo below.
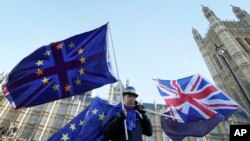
(234, 37)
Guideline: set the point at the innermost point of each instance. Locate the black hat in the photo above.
(129, 90)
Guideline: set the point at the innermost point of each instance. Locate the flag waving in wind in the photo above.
(87, 125)
(197, 105)
(61, 69)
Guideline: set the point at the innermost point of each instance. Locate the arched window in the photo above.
(243, 44)
(247, 44)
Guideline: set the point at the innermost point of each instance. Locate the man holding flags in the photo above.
(137, 121)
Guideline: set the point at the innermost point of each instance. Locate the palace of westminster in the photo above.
(230, 72)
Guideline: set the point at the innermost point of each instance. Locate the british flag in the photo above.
(193, 99)
(60, 70)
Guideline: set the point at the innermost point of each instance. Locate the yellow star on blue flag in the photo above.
(87, 125)
(61, 69)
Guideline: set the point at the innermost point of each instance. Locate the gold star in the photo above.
(39, 72)
(101, 116)
(65, 137)
(80, 51)
(59, 46)
(78, 81)
(47, 53)
(81, 122)
(71, 45)
(72, 127)
(81, 71)
(67, 88)
(83, 60)
(39, 63)
(95, 111)
(45, 80)
(55, 87)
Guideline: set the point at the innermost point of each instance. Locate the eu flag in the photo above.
(87, 125)
(60, 70)
(196, 104)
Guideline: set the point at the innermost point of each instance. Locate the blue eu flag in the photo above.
(87, 125)
(60, 70)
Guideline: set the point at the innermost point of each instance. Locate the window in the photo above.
(49, 107)
(38, 133)
(244, 45)
(58, 122)
(33, 119)
(62, 109)
(44, 119)
(148, 105)
(20, 116)
(73, 110)
(11, 115)
(26, 133)
(161, 106)
(39, 108)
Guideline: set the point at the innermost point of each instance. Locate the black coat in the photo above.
(114, 129)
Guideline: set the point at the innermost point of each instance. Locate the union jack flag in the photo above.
(193, 99)
(60, 70)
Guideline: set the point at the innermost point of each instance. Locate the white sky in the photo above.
(152, 39)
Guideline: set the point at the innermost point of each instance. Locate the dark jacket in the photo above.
(114, 129)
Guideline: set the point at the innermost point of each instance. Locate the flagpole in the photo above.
(119, 81)
(160, 114)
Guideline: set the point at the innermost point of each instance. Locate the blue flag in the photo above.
(87, 125)
(60, 70)
(195, 105)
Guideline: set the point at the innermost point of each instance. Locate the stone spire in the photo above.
(241, 14)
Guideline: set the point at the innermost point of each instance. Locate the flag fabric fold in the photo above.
(87, 125)
(61, 69)
(197, 105)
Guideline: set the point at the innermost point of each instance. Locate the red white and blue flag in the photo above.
(197, 105)
(61, 69)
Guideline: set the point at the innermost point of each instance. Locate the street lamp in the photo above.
(221, 53)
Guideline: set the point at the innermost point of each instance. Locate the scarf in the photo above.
(131, 119)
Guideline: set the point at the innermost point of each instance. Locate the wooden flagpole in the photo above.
(119, 81)
(160, 114)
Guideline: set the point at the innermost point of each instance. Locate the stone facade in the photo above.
(234, 38)
(39, 122)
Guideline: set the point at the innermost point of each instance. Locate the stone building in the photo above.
(234, 38)
(39, 122)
